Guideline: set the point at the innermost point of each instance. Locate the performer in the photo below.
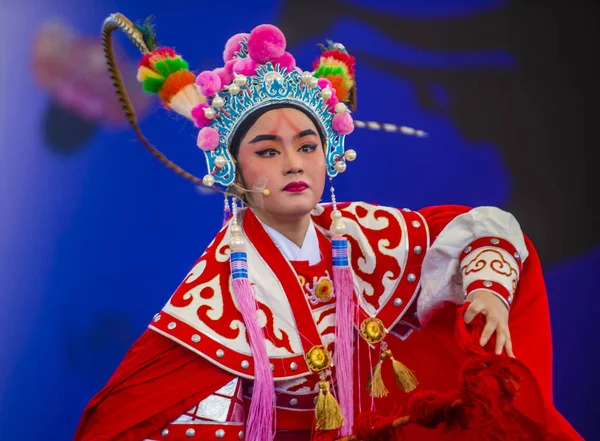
(299, 316)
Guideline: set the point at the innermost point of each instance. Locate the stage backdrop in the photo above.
(95, 234)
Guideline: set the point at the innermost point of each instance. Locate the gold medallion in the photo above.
(324, 289)
(372, 330)
(318, 358)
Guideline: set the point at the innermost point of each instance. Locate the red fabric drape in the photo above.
(157, 381)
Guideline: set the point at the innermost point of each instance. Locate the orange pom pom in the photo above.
(174, 83)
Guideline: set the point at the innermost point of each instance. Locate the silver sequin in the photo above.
(416, 224)
(468, 249)
(220, 353)
(397, 302)
(164, 432)
(172, 325)
(156, 318)
(214, 408)
(245, 364)
(293, 365)
(487, 284)
(241, 434)
(190, 433)
(411, 277)
(417, 250)
(517, 256)
(293, 401)
(494, 241)
(220, 433)
(195, 338)
(229, 389)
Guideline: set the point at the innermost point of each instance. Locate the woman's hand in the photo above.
(496, 319)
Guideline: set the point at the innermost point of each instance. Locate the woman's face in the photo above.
(283, 147)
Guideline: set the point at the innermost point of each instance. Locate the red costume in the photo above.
(166, 373)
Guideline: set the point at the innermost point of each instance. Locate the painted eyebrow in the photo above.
(269, 137)
(259, 138)
(304, 133)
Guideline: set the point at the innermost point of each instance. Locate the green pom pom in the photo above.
(152, 85)
(324, 71)
(170, 65)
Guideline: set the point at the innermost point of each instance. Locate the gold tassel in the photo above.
(405, 379)
(376, 385)
(328, 414)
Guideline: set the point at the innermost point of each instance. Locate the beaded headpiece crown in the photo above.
(271, 85)
(257, 73)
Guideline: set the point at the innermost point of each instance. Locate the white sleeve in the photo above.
(481, 249)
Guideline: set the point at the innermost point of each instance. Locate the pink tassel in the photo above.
(259, 423)
(342, 357)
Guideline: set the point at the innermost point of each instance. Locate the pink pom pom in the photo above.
(265, 43)
(331, 102)
(233, 45)
(245, 66)
(198, 115)
(208, 139)
(226, 77)
(323, 83)
(208, 82)
(229, 65)
(286, 61)
(342, 123)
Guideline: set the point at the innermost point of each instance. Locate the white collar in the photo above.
(310, 247)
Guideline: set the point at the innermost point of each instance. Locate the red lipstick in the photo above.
(296, 187)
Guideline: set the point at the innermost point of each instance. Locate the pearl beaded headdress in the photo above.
(258, 72)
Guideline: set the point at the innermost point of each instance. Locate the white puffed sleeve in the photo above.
(481, 249)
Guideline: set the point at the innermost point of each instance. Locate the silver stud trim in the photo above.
(406, 210)
(417, 250)
(220, 353)
(411, 277)
(293, 401)
(190, 433)
(468, 249)
(195, 338)
(220, 433)
(272, 367)
(164, 432)
(241, 434)
(172, 325)
(487, 284)
(245, 364)
(416, 224)
(293, 365)
(517, 256)
(397, 302)
(157, 317)
(494, 241)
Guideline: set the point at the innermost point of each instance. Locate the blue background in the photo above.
(94, 241)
